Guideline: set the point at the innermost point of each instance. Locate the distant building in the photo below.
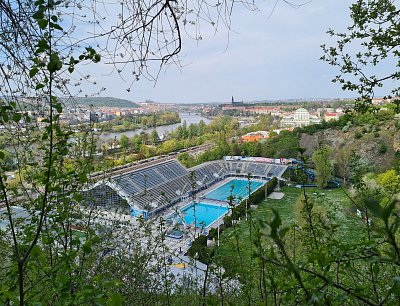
(235, 103)
(255, 136)
(332, 116)
(278, 131)
(299, 118)
(273, 111)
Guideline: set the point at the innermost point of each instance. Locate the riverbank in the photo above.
(161, 130)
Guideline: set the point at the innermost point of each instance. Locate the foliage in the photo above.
(257, 196)
(283, 145)
(134, 122)
(311, 129)
(323, 165)
(371, 41)
(382, 149)
(305, 254)
(103, 102)
(390, 181)
(64, 253)
(198, 249)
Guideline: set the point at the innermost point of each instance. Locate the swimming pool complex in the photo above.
(207, 213)
(239, 190)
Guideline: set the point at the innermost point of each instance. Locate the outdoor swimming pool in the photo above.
(206, 213)
(240, 190)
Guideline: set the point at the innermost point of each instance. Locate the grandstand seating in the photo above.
(154, 187)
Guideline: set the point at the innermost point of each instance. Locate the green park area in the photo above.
(333, 205)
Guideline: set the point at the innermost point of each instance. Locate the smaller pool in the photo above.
(205, 213)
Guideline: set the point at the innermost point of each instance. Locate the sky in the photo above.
(268, 56)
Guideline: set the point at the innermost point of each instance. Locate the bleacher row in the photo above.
(150, 177)
(154, 187)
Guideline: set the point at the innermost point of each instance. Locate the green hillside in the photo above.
(105, 101)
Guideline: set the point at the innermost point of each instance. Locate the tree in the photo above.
(202, 128)
(371, 41)
(137, 142)
(192, 131)
(7, 160)
(154, 138)
(124, 142)
(342, 161)
(323, 165)
(144, 137)
(390, 181)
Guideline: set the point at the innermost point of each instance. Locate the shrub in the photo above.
(199, 247)
(271, 185)
(227, 221)
(357, 135)
(382, 148)
(213, 233)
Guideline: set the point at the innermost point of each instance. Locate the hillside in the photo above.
(376, 143)
(105, 102)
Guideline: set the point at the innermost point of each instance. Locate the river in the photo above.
(189, 118)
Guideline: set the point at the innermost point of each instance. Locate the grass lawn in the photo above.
(350, 228)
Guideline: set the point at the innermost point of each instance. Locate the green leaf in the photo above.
(2, 154)
(97, 58)
(39, 86)
(42, 45)
(56, 26)
(17, 117)
(58, 107)
(116, 299)
(54, 64)
(95, 239)
(36, 251)
(82, 178)
(78, 197)
(33, 72)
(374, 207)
(5, 117)
(38, 15)
(388, 210)
(275, 223)
(43, 23)
(87, 248)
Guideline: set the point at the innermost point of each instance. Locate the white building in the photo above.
(299, 118)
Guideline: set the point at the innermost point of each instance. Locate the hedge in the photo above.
(259, 194)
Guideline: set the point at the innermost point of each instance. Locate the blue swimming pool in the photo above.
(206, 213)
(239, 190)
